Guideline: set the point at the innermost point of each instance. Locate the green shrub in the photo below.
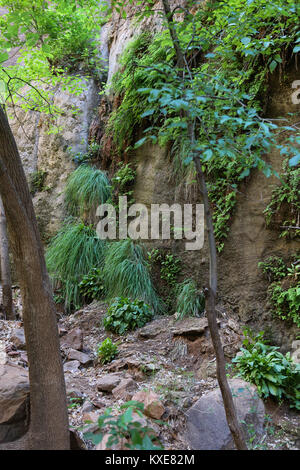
(125, 314)
(273, 373)
(37, 181)
(283, 211)
(286, 302)
(170, 265)
(190, 301)
(126, 426)
(107, 351)
(69, 257)
(85, 157)
(86, 189)
(274, 268)
(92, 286)
(126, 273)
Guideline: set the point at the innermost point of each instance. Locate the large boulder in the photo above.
(207, 428)
(14, 400)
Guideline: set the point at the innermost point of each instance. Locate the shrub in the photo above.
(274, 268)
(37, 181)
(107, 351)
(126, 427)
(126, 273)
(69, 258)
(86, 188)
(92, 286)
(170, 265)
(125, 314)
(190, 301)
(286, 302)
(273, 373)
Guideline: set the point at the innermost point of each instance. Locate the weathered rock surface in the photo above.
(83, 358)
(71, 366)
(192, 327)
(153, 407)
(207, 428)
(73, 340)
(108, 382)
(18, 338)
(125, 389)
(14, 396)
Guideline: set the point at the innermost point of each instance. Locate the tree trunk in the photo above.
(48, 409)
(210, 302)
(211, 293)
(7, 303)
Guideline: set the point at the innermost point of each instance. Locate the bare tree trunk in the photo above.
(210, 302)
(230, 411)
(5, 268)
(48, 409)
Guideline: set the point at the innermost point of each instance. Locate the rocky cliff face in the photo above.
(50, 155)
(242, 289)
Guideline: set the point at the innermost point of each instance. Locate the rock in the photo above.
(87, 407)
(18, 338)
(108, 382)
(14, 400)
(152, 404)
(125, 389)
(91, 416)
(150, 331)
(83, 358)
(75, 394)
(190, 327)
(207, 428)
(72, 366)
(295, 356)
(208, 369)
(73, 340)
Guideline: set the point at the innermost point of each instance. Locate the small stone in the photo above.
(72, 366)
(91, 416)
(83, 358)
(125, 389)
(152, 404)
(18, 338)
(108, 382)
(87, 407)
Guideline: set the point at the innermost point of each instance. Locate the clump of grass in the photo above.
(190, 301)
(126, 274)
(70, 256)
(87, 187)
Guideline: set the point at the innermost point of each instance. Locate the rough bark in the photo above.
(48, 409)
(211, 292)
(7, 303)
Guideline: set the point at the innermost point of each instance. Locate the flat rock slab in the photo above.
(207, 427)
(108, 382)
(83, 358)
(190, 327)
